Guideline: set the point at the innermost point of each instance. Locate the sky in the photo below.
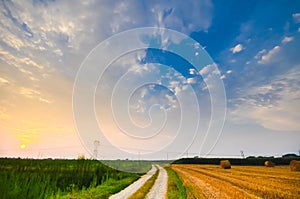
(149, 79)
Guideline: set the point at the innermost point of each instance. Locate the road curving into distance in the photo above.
(159, 189)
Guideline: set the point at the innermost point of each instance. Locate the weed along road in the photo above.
(158, 190)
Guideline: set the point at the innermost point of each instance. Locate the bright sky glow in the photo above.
(254, 46)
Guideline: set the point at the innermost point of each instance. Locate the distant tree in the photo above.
(250, 157)
(81, 157)
(289, 155)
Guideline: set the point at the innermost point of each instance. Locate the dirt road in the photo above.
(128, 191)
(159, 189)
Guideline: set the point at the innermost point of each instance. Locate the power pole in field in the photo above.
(242, 154)
(96, 145)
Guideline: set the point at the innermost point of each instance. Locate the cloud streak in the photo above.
(273, 105)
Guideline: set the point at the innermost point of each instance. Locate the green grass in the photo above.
(142, 191)
(132, 166)
(26, 178)
(176, 190)
(104, 190)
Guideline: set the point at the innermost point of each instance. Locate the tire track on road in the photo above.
(159, 189)
(131, 189)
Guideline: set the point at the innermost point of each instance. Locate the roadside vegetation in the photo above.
(176, 190)
(144, 190)
(26, 178)
(132, 166)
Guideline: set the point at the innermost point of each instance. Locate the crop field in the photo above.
(211, 181)
(22, 178)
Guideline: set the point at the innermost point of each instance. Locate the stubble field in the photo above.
(211, 181)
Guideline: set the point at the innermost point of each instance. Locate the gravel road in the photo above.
(159, 189)
(131, 189)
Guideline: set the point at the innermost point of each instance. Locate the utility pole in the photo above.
(139, 156)
(242, 154)
(96, 145)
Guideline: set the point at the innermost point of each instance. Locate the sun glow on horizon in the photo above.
(23, 146)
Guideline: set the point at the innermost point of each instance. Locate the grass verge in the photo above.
(176, 190)
(142, 192)
(104, 190)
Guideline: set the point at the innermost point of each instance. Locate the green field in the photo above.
(25, 178)
(132, 166)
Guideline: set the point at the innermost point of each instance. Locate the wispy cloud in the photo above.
(3, 81)
(273, 105)
(296, 17)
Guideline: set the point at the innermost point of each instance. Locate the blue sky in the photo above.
(253, 44)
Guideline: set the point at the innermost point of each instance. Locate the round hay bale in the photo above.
(269, 164)
(295, 165)
(225, 164)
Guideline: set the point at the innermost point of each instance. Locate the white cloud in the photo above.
(170, 14)
(229, 71)
(237, 48)
(174, 84)
(267, 58)
(191, 80)
(44, 100)
(196, 45)
(3, 81)
(192, 71)
(171, 100)
(45, 42)
(141, 69)
(287, 40)
(260, 53)
(29, 93)
(207, 69)
(33, 94)
(274, 106)
(296, 17)
(223, 77)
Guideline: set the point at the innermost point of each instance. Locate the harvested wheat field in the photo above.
(211, 181)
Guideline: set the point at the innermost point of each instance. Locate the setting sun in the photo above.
(23, 146)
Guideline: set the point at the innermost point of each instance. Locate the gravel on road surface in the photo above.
(131, 189)
(159, 189)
